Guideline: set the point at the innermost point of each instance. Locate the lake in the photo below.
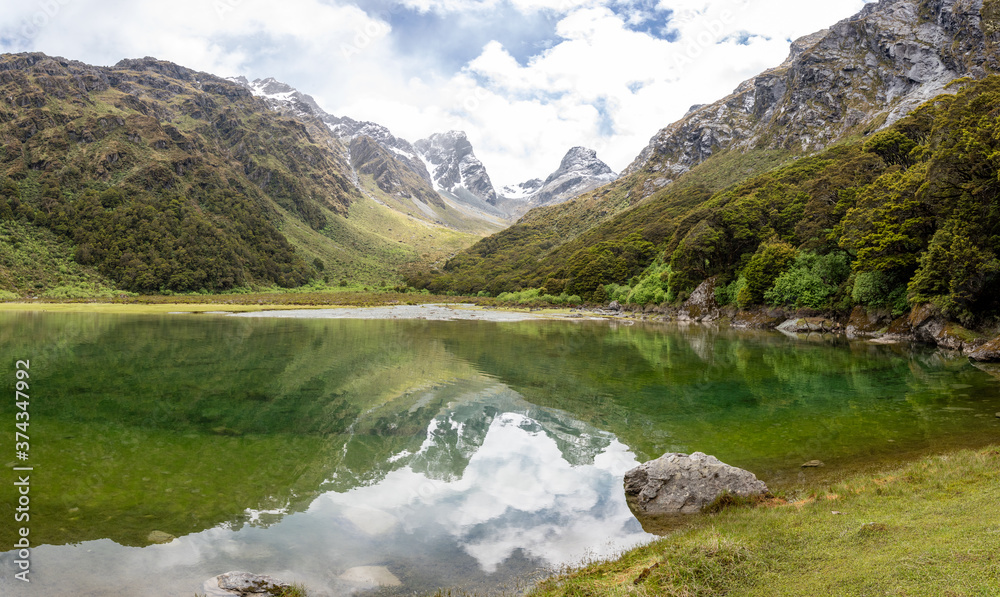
(417, 455)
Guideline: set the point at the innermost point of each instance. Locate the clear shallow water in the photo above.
(444, 454)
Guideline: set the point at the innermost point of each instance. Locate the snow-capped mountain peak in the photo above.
(455, 168)
(579, 171)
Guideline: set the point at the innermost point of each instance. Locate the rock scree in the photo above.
(680, 484)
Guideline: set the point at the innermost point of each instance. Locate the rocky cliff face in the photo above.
(369, 157)
(861, 74)
(455, 168)
(401, 150)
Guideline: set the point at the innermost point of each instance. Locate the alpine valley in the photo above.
(150, 177)
(862, 171)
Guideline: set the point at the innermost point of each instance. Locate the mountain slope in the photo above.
(864, 72)
(838, 84)
(151, 177)
(455, 169)
(159, 176)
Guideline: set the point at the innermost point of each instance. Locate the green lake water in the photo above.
(462, 455)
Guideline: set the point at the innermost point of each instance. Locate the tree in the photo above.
(893, 147)
(891, 224)
(955, 273)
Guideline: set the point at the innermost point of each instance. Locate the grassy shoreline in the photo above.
(929, 527)
(198, 303)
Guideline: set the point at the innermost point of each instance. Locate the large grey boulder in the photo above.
(701, 305)
(680, 484)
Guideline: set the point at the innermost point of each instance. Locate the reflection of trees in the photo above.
(182, 423)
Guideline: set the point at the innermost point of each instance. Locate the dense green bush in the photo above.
(879, 289)
(537, 296)
(608, 262)
(725, 294)
(770, 261)
(892, 146)
(651, 287)
(812, 281)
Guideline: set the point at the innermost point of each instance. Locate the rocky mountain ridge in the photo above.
(398, 167)
(860, 75)
(446, 162)
(579, 171)
(287, 100)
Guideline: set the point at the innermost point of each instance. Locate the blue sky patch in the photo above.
(643, 16)
(450, 40)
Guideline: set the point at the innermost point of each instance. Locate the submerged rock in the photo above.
(244, 584)
(159, 537)
(806, 325)
(371, 576)
(680, 484)
(758, 319)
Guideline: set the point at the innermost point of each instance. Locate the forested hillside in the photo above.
(159, 177)
(905, 215)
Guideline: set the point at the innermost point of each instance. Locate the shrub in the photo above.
(770, 261)
(879, 289)
(811, 281)
(892, 146)
(953, 273)
(652, 287)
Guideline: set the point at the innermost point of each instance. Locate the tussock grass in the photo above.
(242, 302)
(929, 528)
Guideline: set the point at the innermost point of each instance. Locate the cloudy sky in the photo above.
(526, 79)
